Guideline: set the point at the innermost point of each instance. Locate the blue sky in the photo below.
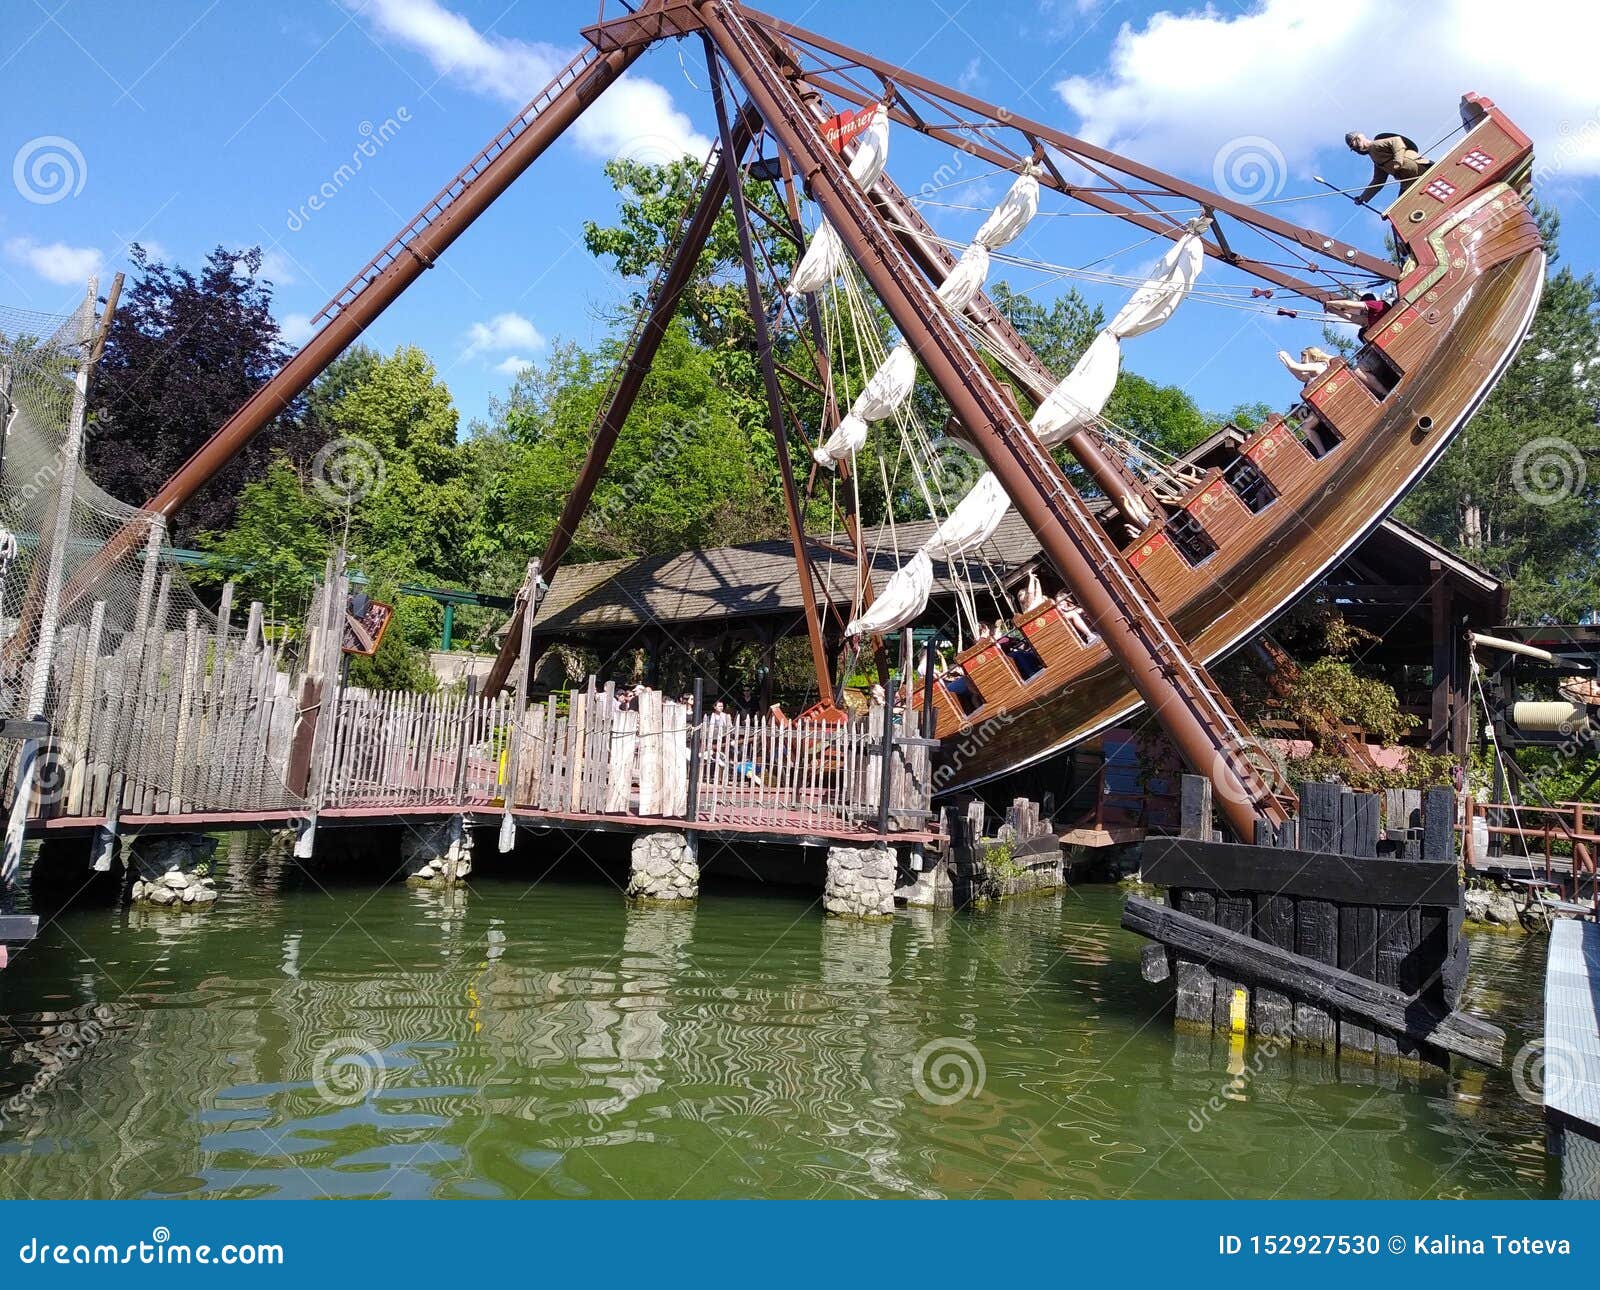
(192, 122)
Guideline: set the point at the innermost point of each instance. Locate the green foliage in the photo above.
(1519, 490)
(280, 538)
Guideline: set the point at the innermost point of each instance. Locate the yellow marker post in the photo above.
(1238, 1011)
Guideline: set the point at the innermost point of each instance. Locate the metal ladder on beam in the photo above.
(400, 244)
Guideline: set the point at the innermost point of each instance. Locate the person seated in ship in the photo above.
(1063, 603)
(1311, 364)
(983, 633)
(960, 689)
(1363, 312)
(1033, 594)
(1393, 156)
(1023, 656)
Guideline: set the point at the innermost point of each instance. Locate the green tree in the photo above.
(1519, 490)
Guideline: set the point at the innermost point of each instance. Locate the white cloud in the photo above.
(636, 118)
(502, 334)
(56, 261)
(513, 365)
(1302, 73)
(296, 329)
(277, 268)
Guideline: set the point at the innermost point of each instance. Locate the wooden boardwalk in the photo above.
(1571, 1057)
(183, 727)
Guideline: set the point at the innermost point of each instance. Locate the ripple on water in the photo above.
(550, 1042)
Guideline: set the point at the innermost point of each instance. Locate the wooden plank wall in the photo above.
(1405, 934)
(182, 720)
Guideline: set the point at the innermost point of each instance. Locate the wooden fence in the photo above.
(172, 720)
(585, 756)
(189, 721)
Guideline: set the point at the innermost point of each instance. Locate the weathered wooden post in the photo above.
(331, 646)
(508, 820)
(696, 714)
(1196, 987)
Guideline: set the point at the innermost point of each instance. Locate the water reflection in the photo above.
(509, 1040)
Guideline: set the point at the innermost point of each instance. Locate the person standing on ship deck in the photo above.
(1393, 156)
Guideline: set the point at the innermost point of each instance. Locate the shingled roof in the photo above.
(757, 579)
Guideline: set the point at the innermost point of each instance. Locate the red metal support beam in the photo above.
(665, 296)
(400, 263)
(1176, 688)
(732, 154)
(1079, 149)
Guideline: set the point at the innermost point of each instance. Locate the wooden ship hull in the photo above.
(1225, 561)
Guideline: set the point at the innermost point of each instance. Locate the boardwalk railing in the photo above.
(196, 722)
(583, 755)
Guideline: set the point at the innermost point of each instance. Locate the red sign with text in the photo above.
(847, 127)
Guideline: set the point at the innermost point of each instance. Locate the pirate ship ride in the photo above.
(1163, 566)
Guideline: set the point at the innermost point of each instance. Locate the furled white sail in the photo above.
(972, 522)
(846, 439)
(968, 527)
(961, 287)
(824, 259)
(901, 601)
(821, 264)
(872, 151)
(1158, 299)
(889, 388)
(1078, 400)
(1013, 214)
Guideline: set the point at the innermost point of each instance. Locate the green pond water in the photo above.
(520, 1040)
